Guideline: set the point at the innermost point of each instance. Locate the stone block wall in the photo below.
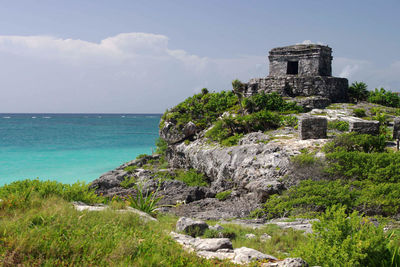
(330, 87)
(313, 60)
(363, 126)
(313, 127)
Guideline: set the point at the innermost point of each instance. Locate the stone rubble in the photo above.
(221, 248)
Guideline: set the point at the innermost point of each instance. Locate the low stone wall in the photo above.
(333, 88)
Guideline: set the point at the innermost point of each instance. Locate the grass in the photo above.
(48, 231)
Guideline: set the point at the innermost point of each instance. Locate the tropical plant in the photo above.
(146, 202)
(358, 91)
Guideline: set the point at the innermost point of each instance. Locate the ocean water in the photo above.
(71, 147)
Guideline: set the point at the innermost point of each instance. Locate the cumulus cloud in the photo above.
(366, 71)
(130, 72)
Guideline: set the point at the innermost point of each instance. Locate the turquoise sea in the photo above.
(71, 147)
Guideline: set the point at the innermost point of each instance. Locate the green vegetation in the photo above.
(384, 97)
(260, 112)
(356, 173)
(128, 181)
(130, 169)
(358, 91)
(229, 126)
(342, 239)
(191, 177)
(281, 244)
(24, 194)
(359, 112)
(223, 195)
(46, 230)
(161, 145)
(350, 142)
(144, 201)
(201, 109)
(271, 102)
(342, 126)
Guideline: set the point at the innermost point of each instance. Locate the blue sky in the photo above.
(145, 56)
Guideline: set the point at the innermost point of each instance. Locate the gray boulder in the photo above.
(289, 262)
(245, 255)
(190, 226)
(250, 236)
(213, 244)
(173, 134)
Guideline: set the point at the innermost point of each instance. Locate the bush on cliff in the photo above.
(229, 125)
(201, 109)
(271, 102)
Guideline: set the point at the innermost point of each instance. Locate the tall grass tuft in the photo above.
(146, 202)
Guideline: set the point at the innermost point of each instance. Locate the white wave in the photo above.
(33, 117)
(6, 117)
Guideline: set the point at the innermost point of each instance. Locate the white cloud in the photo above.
(366, 71)
(130, 72)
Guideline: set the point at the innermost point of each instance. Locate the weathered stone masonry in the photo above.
(301, 70)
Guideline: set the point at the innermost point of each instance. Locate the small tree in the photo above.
(358, 91)
(238, 90)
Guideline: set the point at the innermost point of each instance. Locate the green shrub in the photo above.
(231, 126)
(130, 169)
(358, 91)
(161, 145)
(202, 109)
(356, 142)
(232, 140)
(385, 98)
(289, 121)
(128, 182)
(271, 102)
(341, 239)
(223, 195)
(377, 167)
(338, 125)
(309, 197)
(191, 178)
(141, 156)
(359, 112)
(305, 159)
(210, 233)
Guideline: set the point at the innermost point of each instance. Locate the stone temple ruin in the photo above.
(300, 71)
